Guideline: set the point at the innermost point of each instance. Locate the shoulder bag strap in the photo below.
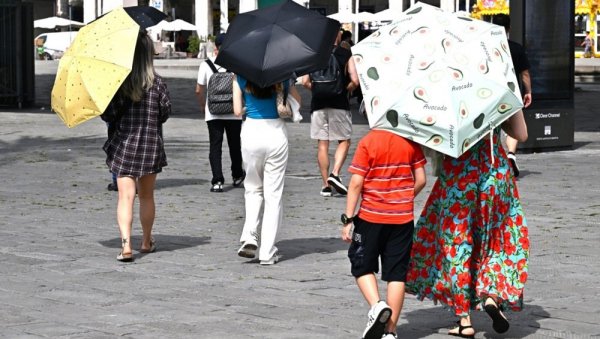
(212, 66)
(286, 87)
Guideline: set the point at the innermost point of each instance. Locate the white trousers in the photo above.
(265, 154)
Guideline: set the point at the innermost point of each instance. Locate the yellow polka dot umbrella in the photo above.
(94, 67)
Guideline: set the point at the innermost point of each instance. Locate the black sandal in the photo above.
(461, 328)
(499, 322)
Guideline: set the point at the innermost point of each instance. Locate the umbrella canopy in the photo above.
(175, 25)
(54, 21)
(271, 44)
(349, 17)
(364, 17)
(94, 67)
(145, 16)
(388, 14)
(438, 79)
(345, 17)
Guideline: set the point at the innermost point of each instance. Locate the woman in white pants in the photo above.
(265, 154)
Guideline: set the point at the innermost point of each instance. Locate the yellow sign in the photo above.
(490, 7)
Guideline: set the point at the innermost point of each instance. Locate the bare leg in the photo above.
(511, 144)
(323, 160)
(147, 208)
(368, 287)
(340, 156)
(125, 210)
(464, 321)
(395, 298)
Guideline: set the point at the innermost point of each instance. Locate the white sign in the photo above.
(158, 4)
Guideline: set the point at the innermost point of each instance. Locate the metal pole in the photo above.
(356, 29)
(19, 54)
(224, 9)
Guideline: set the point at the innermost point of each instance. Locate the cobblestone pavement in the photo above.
(59, 239)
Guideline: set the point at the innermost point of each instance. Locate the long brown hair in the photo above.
(260, 92)
(141, 77)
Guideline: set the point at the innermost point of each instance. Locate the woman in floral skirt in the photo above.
(471, 244)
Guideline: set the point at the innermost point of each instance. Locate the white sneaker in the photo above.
(512, 158)
(389, 336)
(247, 250)
(377, 319)
(274, 259)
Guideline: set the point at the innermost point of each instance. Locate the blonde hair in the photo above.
(141, 77)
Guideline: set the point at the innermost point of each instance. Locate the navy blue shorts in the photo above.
(392, 243)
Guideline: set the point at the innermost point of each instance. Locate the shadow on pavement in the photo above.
(164, 242)
(525, 173)
(580, 144)
(39, 143)
(294, 248)
(427, 321)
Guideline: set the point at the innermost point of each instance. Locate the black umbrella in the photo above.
(272, 44)
(145, 16)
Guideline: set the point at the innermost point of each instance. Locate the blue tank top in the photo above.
(257, 108)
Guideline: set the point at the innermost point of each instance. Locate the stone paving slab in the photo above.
(59, 277)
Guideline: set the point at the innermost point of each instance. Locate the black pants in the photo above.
(216, 128)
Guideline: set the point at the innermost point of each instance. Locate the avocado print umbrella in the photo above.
(441, 80)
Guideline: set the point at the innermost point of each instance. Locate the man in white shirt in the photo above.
(217, 126)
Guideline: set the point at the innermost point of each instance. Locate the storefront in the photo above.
(586, 20)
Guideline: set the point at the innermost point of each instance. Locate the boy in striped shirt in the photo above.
(387, 173)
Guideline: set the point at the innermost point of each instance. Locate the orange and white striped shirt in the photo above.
(387, 162)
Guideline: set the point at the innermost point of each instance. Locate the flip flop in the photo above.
(499, 322)
(125, 257)
(152, 248)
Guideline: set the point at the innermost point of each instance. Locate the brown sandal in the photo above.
(152, 248)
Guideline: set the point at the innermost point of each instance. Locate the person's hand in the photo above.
(347, 232)
(527, 100)
(351, 87)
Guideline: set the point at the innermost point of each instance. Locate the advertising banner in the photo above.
(548, 129)
(550, 121)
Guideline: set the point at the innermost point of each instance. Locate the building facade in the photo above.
(213, 16)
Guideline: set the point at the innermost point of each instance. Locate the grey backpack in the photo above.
(220, 91)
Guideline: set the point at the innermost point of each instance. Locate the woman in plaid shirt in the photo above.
(135, 148)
